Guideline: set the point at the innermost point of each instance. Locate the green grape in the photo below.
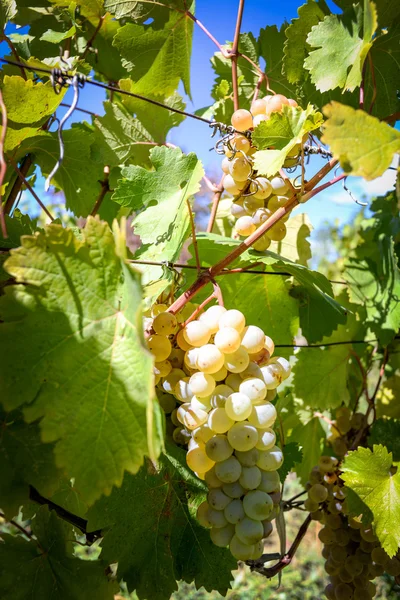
(174, 418)
(242, 120)
(231, 186)
(253, 339)
(219, 422)
(375, 570)
(257, 505)
(218, 448)
(202, 434)
(270, 482)
(203, 515)
(276, 202)
(159, 346)
(157, 309)
(367, 534)
(234, 512)
(240, 550)
(327, 536)
(216, 518)
(366, 546)
(333, 521)
(339, 446)
(233, 490)
(249, 531)
(263, 416)
(362, 595)
(379, 556)
(250, 478)
(271, 460)
(331, 568)
(342, 537)
(253, 371)
(242, 436)
(285, 365)
(212, 316)
(248, 458)
(201, 403)
(198, 460)
(311, 506)
(233, 318)
(162, 368)
(172, 379)
(263, 243)
(237, 361)
(338, 554)
(264, 188)
(329, 592)
(357, 421)
(343, 591)
(238, 209)
(211, 479)
(392, 567)
(268, 528)
(180, 436)
(260, 216)
(217, 499)
(254, 388)
(193, 418)
(190, 358)
(176, 358)
(196, 333)
(209, 359)
(238, 406)
(222, 536)
(202, 384)
(183, 391)
(233, 381)
(277, 232)
(345, 575)
(266, 439)
(244, 226)
(258, 550)
(228, 470)
(227, 340)
(221, 374)
(279, 186)
(240, 168)
(326, 464)
(318, 493)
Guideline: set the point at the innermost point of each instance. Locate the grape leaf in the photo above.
(343, 42)
(271, 43)
(78, 175)
(157, 59)
(85, 371)
(292, 455)
(310, 437)
(105, 58)
(153, 534)
(8, 10)
(17, 225)
(28, 102)
(157, 121)
(387, 404)
(25, 461)
(368, 474)
(140, 11)
(119, 137)
(56, 37)
(388, 10)
(327, 388)
(364, 145)
(295, 48)
(387, 433)
(48, 566)
(283, 131)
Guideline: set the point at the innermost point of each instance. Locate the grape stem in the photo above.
(286, 559)
(234, 55)
(105, 188)
(4, 38)
(194, 239)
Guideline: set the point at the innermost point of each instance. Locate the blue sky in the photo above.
(219, 16)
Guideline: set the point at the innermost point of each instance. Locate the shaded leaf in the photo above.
(310, 437)
(387, 433)
(271, 43)
(292, 455)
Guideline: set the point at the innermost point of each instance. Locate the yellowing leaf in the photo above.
(364, 145)
(29, 102)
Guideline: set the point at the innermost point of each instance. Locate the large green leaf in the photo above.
(48, 566)
(152, 532)
(143, 10)
(157, 59)
(310, 437)
(17, 225)
(387, 433)
(271, 43)
(106, 60)
(363, 145)
(85, 371)
(282, 131)
(28, 102)
(342, 44)
(388, 10)
(310, 14)
(368, 473)
(25, 461)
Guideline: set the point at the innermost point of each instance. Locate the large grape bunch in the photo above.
(353, 555)
(256, 198)
(222, 374)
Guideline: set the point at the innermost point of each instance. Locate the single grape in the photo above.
(242, 120)
(190, 358)
(234, 380)
(176, 357)
(344, 591)
(202, 384)
(240, 550)
(254, 388)
(264, 188)
(233, 490)
(250, 478)
(251, 204)
(183, 391)
(233, 318)
(167, 402)
(268, 528)
(228, 470)
(202, 434)
(263, 243)
(276, 103)
(285, 365)
(240, 142)
(244, 226)
(327, 535)
(192, 419)
(277, 232)
(334, 522)
(231, 186)
(260, 216)
(237, 361)
(357, 421)
(209, 359)
(367, 534)
(218, 448)
(159, 346)
(165, 323)
(272, 375)
(249, 531)
(270, 482)
(311, 506)
(242, 436)
(263, 416)
(379, 556)
(217, 499)
(201, 403)
(220, 394)
(196, 333)
(174, 418)
(252, 371)
(222, 536)
(253, 339)
(238, 209)
(234, 512)
(353, 566)
(258, 550)
(212, 316)
(203, 515)
(266, 439)
(225, 165)
(221, 374)
(339, 446)
(325, 464)
(227, 340)
(248, 458)
(318, 493)
(162, 368)
(219, 421)
(211, 479)
(343, 424)
(238, 406)
(240, 168)
(258, 107)
(198, 460)
(257, 505)
(217, 518)
(181, 436)
(279, 186)
(276, 202)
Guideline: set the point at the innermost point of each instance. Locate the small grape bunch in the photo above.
(224, 377)
(344, 429)
(353, 555)
(256, 198)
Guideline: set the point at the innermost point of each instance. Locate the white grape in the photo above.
(263, 416)
(257, 505)
(219, 421)
(217, 499)
(260, 216)
(254, 389)
(279, 186)
(252, 204)
(180, 413)
(258, 550)
(203, 515)
(242, 120)
(238, 406)
(258, 107)
(253, 370)
(264, 188)
(165, 323)
(242, 436)
(269, 345)
(285, 365)
(270, 482)
(201, 403)
(240, 550)
(250, 478)
(249, 531)
(228, 470)
(196, 333)
(244, 226)
(263, 243)
(233, 381)
(268, 528)
(240, 142)
(231, 186)
(233, 490)
(221, 374)
(234, 512)
(190, 358)
(159, 346)
(227, 340)
(162, 368)
(157, 309)
(240, 168)
(276, 202)
(271, 460)
(209, 359)
(233, 318)
(198, 460)
(183, 391)
(237, 361)
(217, 518)
(222, 536)
(202, 434)
(271, 395)
(211, 479)
(238, 209)
(218, 448)
(277, 232)
(253, 339)
(248, 458)
(272, 375)
(212, 316)
(202, 384)
(266, 439)
(225, 165)
(167, 402)
(193, 418)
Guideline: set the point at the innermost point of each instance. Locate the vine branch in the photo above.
(234, 55)
(104, 189)
(30, 189)
(3, 164)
